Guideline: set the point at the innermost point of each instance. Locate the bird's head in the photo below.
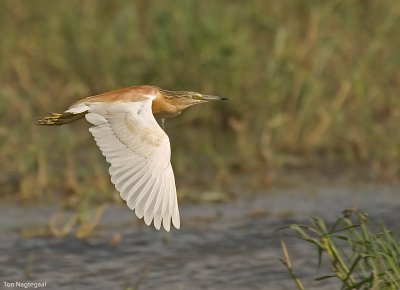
(184, 99)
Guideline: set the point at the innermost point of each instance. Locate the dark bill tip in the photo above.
(208, 97)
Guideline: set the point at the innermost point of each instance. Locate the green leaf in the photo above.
(324, 277)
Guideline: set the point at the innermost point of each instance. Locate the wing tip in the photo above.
(177, 224)
(164, 222)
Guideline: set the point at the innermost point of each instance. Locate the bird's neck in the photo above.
(164, 108)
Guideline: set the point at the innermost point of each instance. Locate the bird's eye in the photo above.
(197, 96)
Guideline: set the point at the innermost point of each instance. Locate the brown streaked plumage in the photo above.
(133, 143)
(167, 104)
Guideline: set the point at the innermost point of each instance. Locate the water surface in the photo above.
(220, 246)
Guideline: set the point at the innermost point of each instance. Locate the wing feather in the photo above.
(176, 220)
(138, 177)
(121, 167)
(139, 153)
(150, 203)
(164, 213)
(127, 171)
(139, 211)
(157, 206)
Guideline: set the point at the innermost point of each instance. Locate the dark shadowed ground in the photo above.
(220, 246)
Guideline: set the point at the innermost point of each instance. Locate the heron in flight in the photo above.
(137, 148)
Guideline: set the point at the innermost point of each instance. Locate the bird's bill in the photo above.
(211, 98)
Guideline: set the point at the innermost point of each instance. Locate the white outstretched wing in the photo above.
(139, 153)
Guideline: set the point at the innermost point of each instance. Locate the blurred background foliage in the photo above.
(311, 83)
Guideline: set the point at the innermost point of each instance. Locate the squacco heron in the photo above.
(137, 148)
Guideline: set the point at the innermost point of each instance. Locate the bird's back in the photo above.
(78, 109)
(128, 94)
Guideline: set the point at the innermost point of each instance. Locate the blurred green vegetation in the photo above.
(361, 254)
(311, 83)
